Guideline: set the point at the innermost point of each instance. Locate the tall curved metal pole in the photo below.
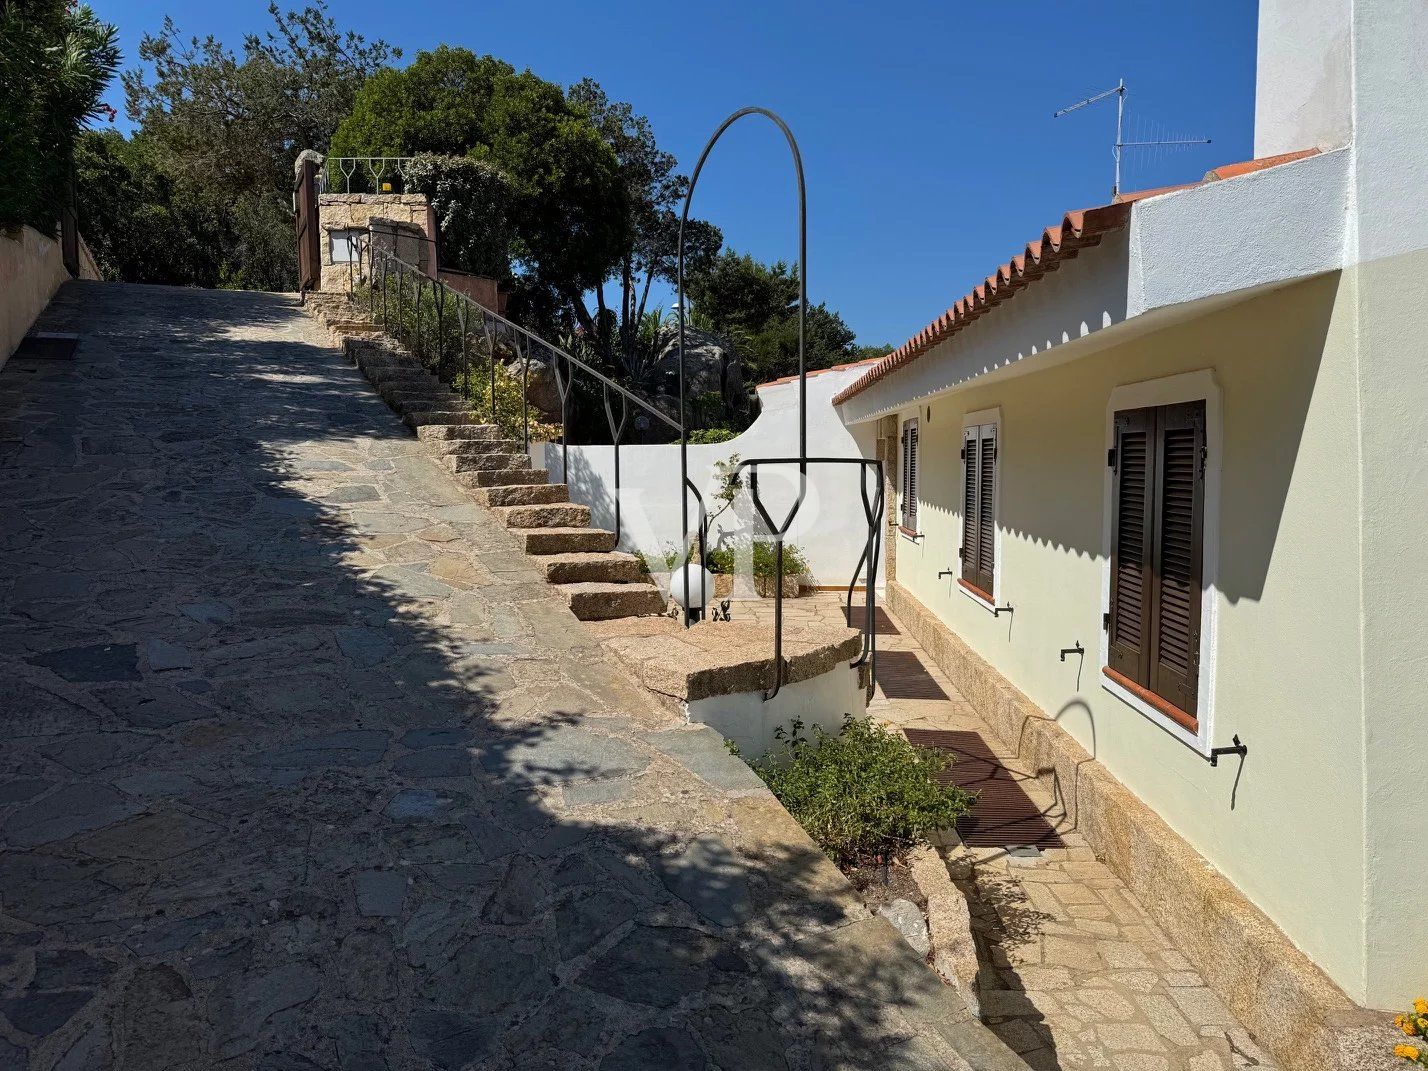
(684, 485)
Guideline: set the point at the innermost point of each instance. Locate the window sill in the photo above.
(1147, 702)
(977, 595)
(909, 533)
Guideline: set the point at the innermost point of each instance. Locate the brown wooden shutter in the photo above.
(902, 506)
(1179, 513)
(1132, 534)
(971, 544)
(986, 507)
(910, 494)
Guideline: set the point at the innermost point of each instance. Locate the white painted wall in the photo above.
(830, 527)
(749, 721)
(1304, 72)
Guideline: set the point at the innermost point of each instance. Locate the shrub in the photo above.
(666, 560)
(766, 560)
(473, 201)
(709, 436)
(863, 793)
(721, 560)
(1414, 1025)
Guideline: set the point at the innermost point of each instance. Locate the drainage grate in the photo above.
(901, 675)
(882, 624)
(1003, 816)
(47, 346)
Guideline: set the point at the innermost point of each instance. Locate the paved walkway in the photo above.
(1074, 975)
(305, 767)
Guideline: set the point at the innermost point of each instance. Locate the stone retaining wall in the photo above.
(31, 270)
(1271, 986)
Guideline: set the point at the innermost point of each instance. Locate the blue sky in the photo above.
(926, 128)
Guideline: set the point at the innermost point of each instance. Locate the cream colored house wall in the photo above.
(1287, 603)
(31, 270)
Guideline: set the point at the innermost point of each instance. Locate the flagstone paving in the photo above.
(306, 767)
(1073, 974)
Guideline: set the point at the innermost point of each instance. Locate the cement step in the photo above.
(521, 495)
(603, 602)
(485, 462)
(615, 567)
(564, 540)
(436, 433)
(491, 478)
(553, 515)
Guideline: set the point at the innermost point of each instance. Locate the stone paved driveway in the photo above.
(303, 767)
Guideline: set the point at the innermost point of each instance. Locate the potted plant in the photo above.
(766, 568)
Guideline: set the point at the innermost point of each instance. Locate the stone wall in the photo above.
(410, 212)
(1275, 990)
(31, 270)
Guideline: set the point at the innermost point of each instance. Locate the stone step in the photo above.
(551, 515)
(604, 602)
(455, 447)
(491, 478)
(446, 433)
(446, 417)
(485, 462)
(521, 495)
(411, 404)
(564, 540)
(382, 375)
(615, 567)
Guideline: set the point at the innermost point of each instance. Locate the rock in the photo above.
(163, 655)
(907, 918)
(449, 1039)
(654, 965)
(434, 762)
(710, 879)
(99, 662)
(353, 747)
(950, 923)
(436, 737)
(380, 893)
(244, 1003)
(563, 753)
(710, 367)
(657, 1049)
(87, 753)
(208, 613)
(66, 812)
(42, 1014)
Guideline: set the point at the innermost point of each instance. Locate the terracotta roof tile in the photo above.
(818, 372)
(1077, 231)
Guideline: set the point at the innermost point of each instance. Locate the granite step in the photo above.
(521, 494)
(485, 461)
(455, 447)
(437, 433)
(551, 515)
(443, 417)
(616, 567)
(604, 602)
(564, 540)
(493, 478)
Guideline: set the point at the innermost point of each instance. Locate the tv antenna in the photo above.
(1119, 92)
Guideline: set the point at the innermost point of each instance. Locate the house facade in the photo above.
(1185, 433)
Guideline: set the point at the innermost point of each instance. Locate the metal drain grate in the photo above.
(1003, 816)
(882, 624)
(901, 675)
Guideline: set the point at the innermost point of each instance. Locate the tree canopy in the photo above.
(569, 207)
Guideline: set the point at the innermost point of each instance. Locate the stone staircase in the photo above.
(599, 583)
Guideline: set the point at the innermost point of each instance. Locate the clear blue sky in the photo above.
(926, 128)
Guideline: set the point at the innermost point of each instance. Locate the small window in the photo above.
(341, 246)
(979, 509)
(909, 475)
(1157, 539)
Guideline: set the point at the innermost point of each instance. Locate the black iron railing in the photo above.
(462, 341)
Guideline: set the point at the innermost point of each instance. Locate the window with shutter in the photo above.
(909, 474)
(1157, 556)
(979, 508)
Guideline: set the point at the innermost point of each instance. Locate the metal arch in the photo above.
(780, 530)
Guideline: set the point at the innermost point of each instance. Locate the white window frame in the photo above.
(911, 531)
(1200, 386)
(976, 421)
(344, 235)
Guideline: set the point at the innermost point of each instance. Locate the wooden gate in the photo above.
(309, 235)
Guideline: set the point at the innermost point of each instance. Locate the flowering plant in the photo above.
(1415, 1026)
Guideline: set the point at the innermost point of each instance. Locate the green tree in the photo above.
(56, 59)
(570, 209)
(225, 128)
(472, 201)
(755, 306)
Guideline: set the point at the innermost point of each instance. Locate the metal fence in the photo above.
(472, 349)
(364, 174)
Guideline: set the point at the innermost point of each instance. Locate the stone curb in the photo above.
(949, 921)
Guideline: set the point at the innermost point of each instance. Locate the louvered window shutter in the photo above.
(1132, 529)
(986, 507)
(902, 508)
(912, 476)
(971, 543)
(1179, 513)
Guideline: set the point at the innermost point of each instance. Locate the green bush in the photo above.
(721, 560)
(710, 436)
(864, 793)
(766, 560)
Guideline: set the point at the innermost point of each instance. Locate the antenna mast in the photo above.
(1119, 92)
